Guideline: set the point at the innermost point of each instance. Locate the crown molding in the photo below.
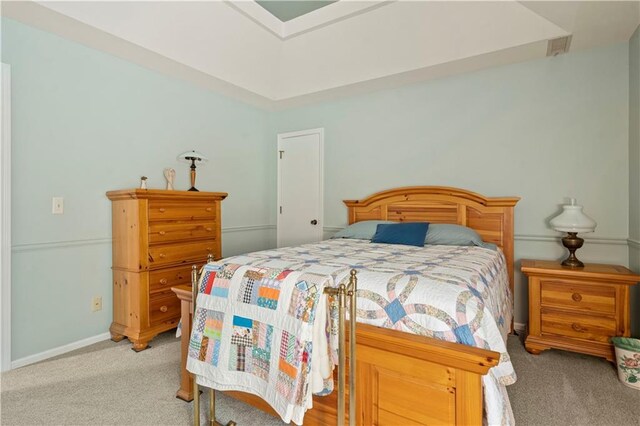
(278, 96)
(319, 18)
(43, 18)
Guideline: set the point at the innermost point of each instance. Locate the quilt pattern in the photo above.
(253, 331)
(454, 293)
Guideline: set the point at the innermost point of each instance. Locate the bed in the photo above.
(398, 371)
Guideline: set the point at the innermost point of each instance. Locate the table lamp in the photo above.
(572, 220)
(192, 156)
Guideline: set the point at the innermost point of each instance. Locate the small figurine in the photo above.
(169, 175)
(143, 182)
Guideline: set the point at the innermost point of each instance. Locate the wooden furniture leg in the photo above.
(139, 345)
(116, 337)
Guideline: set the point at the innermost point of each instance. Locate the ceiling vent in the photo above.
(558, 46)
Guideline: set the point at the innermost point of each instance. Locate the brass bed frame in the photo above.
(343, 292)
(405, 378)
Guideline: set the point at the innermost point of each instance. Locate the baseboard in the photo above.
(520, 327)
(31, 359)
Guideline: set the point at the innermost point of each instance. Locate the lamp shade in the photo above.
(192, 155)
(572, 219)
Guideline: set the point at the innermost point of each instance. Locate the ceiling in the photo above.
(288, 10)
(240, 49)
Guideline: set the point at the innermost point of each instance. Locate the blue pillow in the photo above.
(410, 234)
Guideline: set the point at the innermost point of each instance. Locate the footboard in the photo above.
(404, 379)
(407, 379)
(401, 379)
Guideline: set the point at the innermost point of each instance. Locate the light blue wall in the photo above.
(540, 130)
(85, 122)
(634, 172)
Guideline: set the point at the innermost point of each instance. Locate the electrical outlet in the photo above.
(96, 304)
(57, 205)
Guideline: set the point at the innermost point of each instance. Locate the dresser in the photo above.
(577, 309)
(157, 236)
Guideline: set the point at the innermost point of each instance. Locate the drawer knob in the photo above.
(163, 308)
(577, 327)
(161, 210)
(161, 255)
(163, 281)
(209, 229)
(161, 232)
(209, 209)
(576, 296)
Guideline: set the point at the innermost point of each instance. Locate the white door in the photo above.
(300, 191)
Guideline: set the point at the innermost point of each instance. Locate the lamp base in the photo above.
(193, 188)
(572, 242)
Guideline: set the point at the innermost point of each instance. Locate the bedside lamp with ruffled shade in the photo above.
(192, 156)
(572, 220)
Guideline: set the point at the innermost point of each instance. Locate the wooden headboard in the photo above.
(492, 218)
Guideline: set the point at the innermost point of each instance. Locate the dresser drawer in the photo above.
(162, 309)
(571, 294)
(160, 232)
(588, 327)
(166, 210)
(182, 253)
(163, 279)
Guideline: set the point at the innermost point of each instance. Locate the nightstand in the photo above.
(577, 309)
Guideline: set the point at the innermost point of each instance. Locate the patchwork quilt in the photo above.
(260, 321)
(253, 331)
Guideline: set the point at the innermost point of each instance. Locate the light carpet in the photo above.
(109, 384)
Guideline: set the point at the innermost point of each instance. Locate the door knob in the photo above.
(314, 222)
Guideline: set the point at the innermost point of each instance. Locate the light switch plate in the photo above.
(96, 304)
(58, 205)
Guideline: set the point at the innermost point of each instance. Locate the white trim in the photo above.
(281, 136)
(5, 222)
(588, 240)
(332, 228)
(328, 15)
(247, 228)
(60, 350)
(18, 248)
(59, 244)
(43, 18)
(546, 238)
(316, 19)
(327, 229)
(259, 15)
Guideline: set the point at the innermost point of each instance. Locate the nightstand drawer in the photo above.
(572, 294)
(588, 327)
